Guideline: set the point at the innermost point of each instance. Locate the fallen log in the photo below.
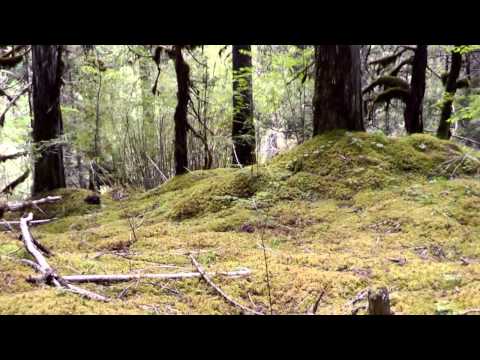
(220, 291)
(22, 205)
(79, 279)
(49, 275)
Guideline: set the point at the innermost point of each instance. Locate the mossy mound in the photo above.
(337, 165)
(72, 204)
(341, 213)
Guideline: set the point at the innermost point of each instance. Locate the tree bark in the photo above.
(243, 129)
(338, 90)
(414, 108)
(443, 131)
(182, 71)
(49, 172)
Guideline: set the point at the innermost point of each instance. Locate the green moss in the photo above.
(334, 213)
(72, 204)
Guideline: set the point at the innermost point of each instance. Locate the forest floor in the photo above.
(339, 214)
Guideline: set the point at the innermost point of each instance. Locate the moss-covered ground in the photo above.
(341, 213)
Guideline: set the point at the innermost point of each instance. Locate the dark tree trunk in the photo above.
(243, 129)
(414, 108)
(443, 131)
(49, 172)
(337, 99)
(183, 83)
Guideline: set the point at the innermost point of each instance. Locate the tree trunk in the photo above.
(49, 172)
(149, 140)
(338, 95)
(243, 129)
(443, 131)
(183, 83)
(414, 108)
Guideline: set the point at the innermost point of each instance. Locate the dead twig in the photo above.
(220, 291)
(314, 308)
(470, 311)
(109, 279)
(49, 275)
(20, 206)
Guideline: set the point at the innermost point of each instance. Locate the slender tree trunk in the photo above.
(183, 83)
(49, 172)
(148, 125)
(443, 131)
(243, 129)
(338, 95)
(414, 108)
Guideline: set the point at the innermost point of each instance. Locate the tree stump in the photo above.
(379, 302)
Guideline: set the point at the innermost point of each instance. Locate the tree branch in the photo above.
(11, 103)
(10, 187)
(220, 291)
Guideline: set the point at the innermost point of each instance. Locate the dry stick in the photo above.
(459, 164)
(42, 248)
(314, 308)
(46, 270)
(30, 246)
(13, 156)
(220, 291)
(19, 206)
(265, 259)
(157, 168)
(27, 262)
(466, 312)
(14, 100)
(10, 187)
(130, 277)
(33, 222)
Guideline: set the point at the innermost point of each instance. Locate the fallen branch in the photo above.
(10, 187)
(8, 224)
(466, 139)
(11, 103)
(20, 206)
(470, 311)
(27, 262)
(44, 267)
(220, 291)
(49, 275)
(314, 308)
(79, 279)
(13, 156)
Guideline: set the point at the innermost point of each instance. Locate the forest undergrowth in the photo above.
(340, 214)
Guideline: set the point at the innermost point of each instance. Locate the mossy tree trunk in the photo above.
(414, 108)
(243, 129)
(182, 71)
(338, 94)
(443, 131)
(49, 172)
